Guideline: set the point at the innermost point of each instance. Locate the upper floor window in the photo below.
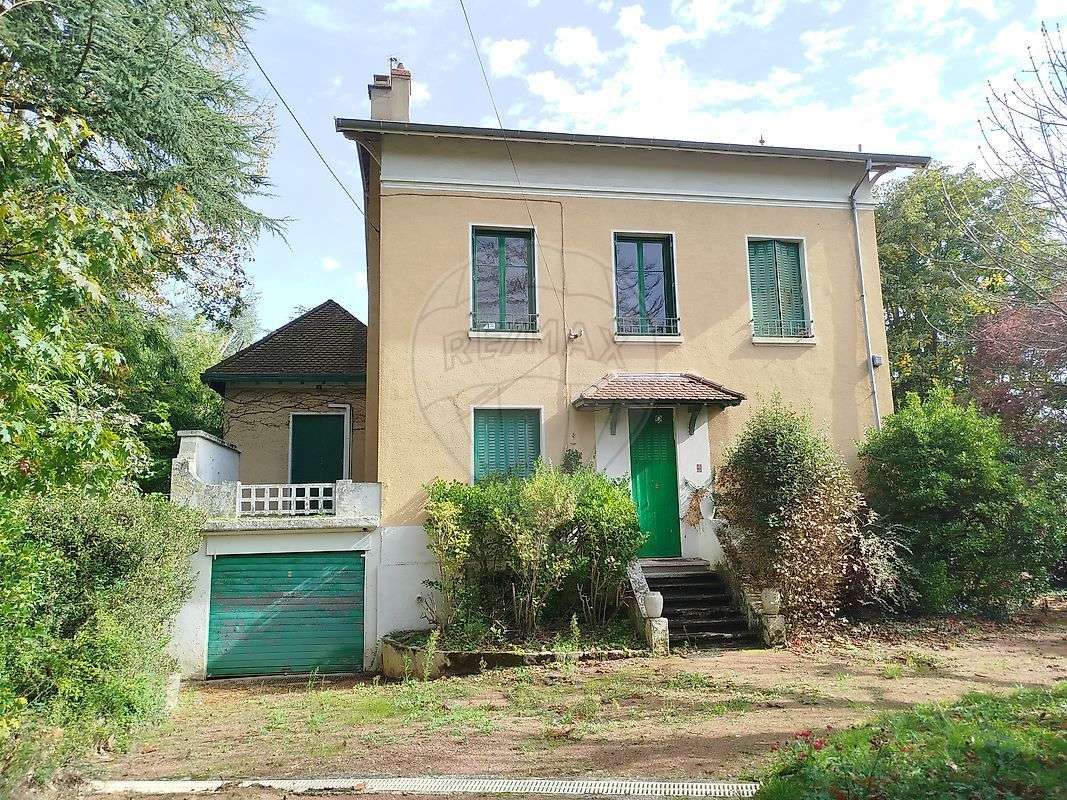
(776, 275)
(645, 302)
(507, 441)
(503, 281)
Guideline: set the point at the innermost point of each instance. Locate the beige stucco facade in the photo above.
(257, 419)
(429, 374)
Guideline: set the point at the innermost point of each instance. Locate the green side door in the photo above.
(285, 613)
(654, 480)
(317, 448)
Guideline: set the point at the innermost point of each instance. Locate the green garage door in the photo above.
(285, 612)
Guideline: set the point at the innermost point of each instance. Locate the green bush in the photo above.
(90, 586)
(985, 746)
(512, 549)
(981, 537)
(792, 504)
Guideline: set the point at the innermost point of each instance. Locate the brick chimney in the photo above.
(390, 95)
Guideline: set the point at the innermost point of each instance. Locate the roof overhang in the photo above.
(655, 390)
(367, 128)
(217, 380)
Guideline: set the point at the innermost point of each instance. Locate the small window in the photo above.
(503, 281)
(776, 276)
(507, 441)
(644, 286)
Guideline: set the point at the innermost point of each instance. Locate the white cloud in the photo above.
(1048, 9)
(1011, 42)
(605, 5)
(505, 56)
(330, 264)
(533, 3)
(818, 44)
(420, 93)
(409, 5)
(361, 279)
(576, 47)
(722, 16)
(321, 16)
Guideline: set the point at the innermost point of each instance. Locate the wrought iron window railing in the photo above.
(784, 329)
(513, 323)
(643, 326)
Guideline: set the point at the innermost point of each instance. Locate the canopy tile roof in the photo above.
(325, 344)
(657, 388)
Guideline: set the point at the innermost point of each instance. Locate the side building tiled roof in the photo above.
(662, 388)
(325, 344)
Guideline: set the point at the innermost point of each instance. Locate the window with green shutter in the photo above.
(503, 281)
(507, 441)
(776, 276)
(644, 286)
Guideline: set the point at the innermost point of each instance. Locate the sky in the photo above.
(906, 76)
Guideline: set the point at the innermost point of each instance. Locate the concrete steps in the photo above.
(697, 605)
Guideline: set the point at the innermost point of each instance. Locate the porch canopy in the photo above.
(619, 389)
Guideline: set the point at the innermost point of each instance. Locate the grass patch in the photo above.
(984, 746)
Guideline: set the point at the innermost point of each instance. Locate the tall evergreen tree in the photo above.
(159, 83)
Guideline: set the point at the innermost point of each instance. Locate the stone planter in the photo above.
(653, 605)
(401, 660)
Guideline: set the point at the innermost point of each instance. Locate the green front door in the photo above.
(285, 612)
(317, 448)
(654, 478)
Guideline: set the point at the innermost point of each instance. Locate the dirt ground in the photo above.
(712, 715)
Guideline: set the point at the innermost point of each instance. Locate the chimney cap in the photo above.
(400, 71)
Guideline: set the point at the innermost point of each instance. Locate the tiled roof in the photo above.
(662, 388)
(326, 343)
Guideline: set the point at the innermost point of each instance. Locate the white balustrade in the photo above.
(285, 499)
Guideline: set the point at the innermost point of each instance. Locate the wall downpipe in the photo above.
(863, 289)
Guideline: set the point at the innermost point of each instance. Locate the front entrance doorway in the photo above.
(654, 480)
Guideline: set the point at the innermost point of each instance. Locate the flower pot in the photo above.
(772, 601)
(653, 605)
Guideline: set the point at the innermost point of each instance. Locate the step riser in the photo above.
(676, 585)
(689, 628)
(700, 614)
(697, 598)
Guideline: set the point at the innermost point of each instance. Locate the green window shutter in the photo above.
(317, 448)
(764, 283)
(791, 289)
(502, 281)
(507, 441)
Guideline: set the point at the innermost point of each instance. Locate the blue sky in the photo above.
(907, 76)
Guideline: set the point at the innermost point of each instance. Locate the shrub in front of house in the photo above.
(513, 551)
(981, 536)
(792, 508)
(90, 586)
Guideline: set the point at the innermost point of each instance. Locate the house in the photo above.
(529, 293)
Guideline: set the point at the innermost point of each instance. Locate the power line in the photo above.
(300, 125)
(511, 158)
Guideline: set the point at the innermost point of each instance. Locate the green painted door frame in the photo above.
(316, 448)
(654, 480)
(285, 613)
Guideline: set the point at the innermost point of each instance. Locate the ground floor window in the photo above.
(507, 441)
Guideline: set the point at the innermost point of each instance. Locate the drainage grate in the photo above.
(616, 787)
(543, 786)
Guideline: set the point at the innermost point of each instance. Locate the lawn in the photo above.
(995, 746)
(715, 715)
